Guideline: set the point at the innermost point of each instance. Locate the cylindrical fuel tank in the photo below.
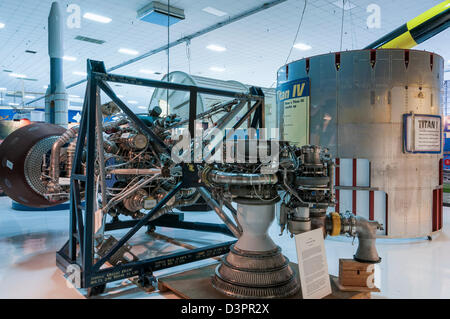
(358, 101)
(179, 100)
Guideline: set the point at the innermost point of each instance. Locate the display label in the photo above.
(422, 133)
(293, 98)
(312, 264)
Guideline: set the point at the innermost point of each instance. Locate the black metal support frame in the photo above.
(79, 249)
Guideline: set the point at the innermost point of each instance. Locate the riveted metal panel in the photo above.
(356, 111)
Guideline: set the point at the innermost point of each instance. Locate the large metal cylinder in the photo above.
(358, 100)
(179, 100)
(21, 158)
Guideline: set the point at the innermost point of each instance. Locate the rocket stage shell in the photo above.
(14, 168)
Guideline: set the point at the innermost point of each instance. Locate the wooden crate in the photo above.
(354, 276)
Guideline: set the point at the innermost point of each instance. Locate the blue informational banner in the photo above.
(293, 103)
(74, 116)
(446, 162)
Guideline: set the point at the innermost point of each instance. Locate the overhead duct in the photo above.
(158, 13)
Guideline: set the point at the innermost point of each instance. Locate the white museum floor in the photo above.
(416, 268)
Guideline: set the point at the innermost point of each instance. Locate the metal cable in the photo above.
(342, 23)
(296, 34)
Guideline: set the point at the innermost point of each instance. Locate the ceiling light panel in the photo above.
(128, 51)
(217, 69)
(69, 58)
(19, 76)
(215, 47)
(96, 17)
(214, 11)
(302, 46)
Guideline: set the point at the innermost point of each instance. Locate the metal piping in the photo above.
(179, 203)
(213, 204)
(366, 231)
(135, 171)
(220, 177)
(65, 138)
(55, 155)
(184, 39)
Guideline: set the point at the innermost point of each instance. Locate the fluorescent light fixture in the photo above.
(69, 58)
(347, 5)
(13, 104)
(19, 76)
(302, 46)
(214, 11)
(2, 25)
(133, 102)
(45, 87)
(79, 73)
(217, 69)
(2, 89)
(119, 96)
(146, 71)
(142, 107)
(96, 17)
(29, 96)
(215, 47)
(76, 96)
(128, 51)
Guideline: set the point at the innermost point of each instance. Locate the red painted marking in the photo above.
(431, 61)
(373, 57)
(434, 218)
(371, 205)
(337, 182)
(406, 58)
(387, 215)
(337, 60)
(440, 198)
(354, 185)
(441, 208)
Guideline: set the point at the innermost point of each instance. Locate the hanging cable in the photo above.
(342, 23)
(168, 51)
(296, 34)
(353, 29)
(188, 54)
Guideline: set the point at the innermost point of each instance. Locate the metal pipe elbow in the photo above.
(55, 154)
(366, 232)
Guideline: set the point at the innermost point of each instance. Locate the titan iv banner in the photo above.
(293, 97)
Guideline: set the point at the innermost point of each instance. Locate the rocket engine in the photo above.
(37, 162)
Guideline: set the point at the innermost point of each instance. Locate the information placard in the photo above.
(293, 98)
(422, 133)
(312, 264)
